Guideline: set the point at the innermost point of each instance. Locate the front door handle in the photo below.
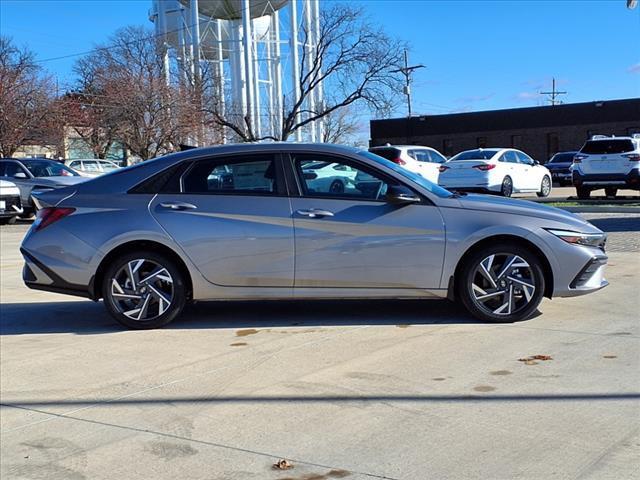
(315, 213)
(178, 206)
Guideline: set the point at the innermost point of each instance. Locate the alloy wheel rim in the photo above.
(503, 284)
(506, 186)
(546, 186)
(142, 289)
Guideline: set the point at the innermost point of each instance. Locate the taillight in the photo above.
(399, 161)
(485, 166)
(633, 157)
(579, 158)
(50, 215)
(443, 168)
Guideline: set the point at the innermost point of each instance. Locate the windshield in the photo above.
(414, 177)
(47, 168)
(474, 155)
(562, 158)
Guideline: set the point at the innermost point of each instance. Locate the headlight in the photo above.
(577, 238)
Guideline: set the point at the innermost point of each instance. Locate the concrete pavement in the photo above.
(356, 390)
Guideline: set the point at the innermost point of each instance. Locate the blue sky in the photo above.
(480, 55)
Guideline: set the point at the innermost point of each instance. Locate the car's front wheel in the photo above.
(501, 283)
(545, 187)
(611, 192)
(336, 187)
(143, 290)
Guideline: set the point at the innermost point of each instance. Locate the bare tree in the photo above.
(353, 59)
(26, 96)
(131, 97)
(341, 126)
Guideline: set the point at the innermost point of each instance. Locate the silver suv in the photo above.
(609, 163)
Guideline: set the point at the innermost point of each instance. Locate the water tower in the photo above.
(252, 50)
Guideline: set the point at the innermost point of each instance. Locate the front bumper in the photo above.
(629, 180)
(589, 279)
(10, 206)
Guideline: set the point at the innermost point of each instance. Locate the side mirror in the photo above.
(401, 195)
(536, 162)
(309, 175)
(20, 175)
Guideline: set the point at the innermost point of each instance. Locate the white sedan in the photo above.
(499, 170)
(91, 167)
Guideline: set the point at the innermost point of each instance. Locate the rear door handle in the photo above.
(315, 213)
(178, 206)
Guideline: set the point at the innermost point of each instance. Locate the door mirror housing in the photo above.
(401, 195)
(20, 175)
(309, 175)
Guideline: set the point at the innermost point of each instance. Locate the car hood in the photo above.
(59, 181)
(491, 203)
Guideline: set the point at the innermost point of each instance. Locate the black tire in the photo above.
(506, 190)
(533, 275)
(8, 220)
(179, 291)
(545, 187)
(611, 192)
(336, 187)
(583, 193)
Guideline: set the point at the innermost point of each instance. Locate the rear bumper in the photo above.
(630, 180)
(38, 276)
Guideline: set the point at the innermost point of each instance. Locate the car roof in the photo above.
(401, 146)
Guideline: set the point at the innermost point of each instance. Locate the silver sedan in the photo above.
(250, 222)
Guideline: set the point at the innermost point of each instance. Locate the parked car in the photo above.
(560, 167)
(500, 170)
(10, 205)
(33, 175)
(424, 161)
(331, 177)
(91, 167)
(154, 236)
(609, 163)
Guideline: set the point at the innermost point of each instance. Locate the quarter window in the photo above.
(328, 177)
(255, 176)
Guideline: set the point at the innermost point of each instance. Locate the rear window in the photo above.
(597, 147)
(474, 155)
(388, 153)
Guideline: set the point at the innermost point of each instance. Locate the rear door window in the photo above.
(254, 175)
(604, 147)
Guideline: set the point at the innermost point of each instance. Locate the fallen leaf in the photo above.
(282, 465)
(531, 360)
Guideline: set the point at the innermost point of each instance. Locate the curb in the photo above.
(589, 209)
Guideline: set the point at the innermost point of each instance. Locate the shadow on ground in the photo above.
(86, 317)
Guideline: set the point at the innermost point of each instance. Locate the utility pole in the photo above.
(553, 93)
(407, 71)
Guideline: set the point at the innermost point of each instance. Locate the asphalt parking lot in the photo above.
(356, 390)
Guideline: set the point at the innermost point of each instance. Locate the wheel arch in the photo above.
(95, 287)
(452, 292)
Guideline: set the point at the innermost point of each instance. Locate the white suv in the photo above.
(424, 161)
(609, 163)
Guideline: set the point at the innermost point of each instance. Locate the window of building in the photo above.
(447, 147)
(481, 142)
(553, 144)
(516, 141)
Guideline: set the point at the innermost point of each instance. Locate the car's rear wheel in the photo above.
(583, 193)
(545, 187)
(143, 290)
(611, 192)
(502, 283)
(336, 187)
(507, 187)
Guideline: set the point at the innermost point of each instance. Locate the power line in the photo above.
(553, 94)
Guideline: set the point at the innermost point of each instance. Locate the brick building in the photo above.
(538, 131)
